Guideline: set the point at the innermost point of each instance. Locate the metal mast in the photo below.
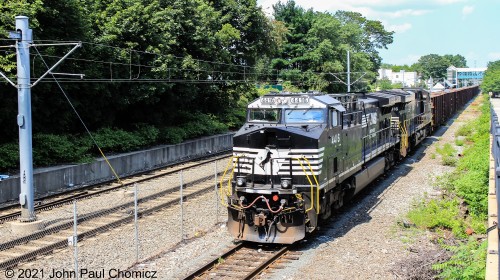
(26, 197)
(24, 40)
(348, 72)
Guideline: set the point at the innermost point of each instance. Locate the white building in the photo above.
(407, 79)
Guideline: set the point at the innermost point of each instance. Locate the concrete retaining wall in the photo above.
(55, 179)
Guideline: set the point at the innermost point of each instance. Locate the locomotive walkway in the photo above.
(492, 258)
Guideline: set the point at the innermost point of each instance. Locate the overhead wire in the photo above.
(81, 120)
(167, 56)
(116, 70)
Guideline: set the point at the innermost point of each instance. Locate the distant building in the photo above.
(438, 87)
(465, 76)
(407, 79)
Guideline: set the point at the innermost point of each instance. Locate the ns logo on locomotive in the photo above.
(300, 156)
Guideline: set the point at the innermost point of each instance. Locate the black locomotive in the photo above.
(300, 156)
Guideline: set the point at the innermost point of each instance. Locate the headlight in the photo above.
(241, 181)
(286, 183)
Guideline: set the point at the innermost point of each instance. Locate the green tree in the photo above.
(491, 79)
(317, 44)
(385, 84)
(432, 65)
(456, 60)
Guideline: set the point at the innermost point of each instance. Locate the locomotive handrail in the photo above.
(404, 137)
(227, 191)
(310, 182)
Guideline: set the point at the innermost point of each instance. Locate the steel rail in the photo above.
(103, 228)
(202, 270)
(268, 262)
(40, 234)
(212, 265)
(84, 195)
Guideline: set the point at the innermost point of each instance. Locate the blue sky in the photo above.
(467, 27)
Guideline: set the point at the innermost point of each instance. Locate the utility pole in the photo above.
(348, 72)
(348, 84)
(24, 40)
(26, 197)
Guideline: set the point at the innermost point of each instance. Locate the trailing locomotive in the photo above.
(300, 156)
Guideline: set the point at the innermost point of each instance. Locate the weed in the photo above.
(467, 262)
(447, 153)
(446, 150)
(465, 130)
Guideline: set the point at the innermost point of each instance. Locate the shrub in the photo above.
(467, 262)
(172, 135)
(203, 125)
(117, 140)
(147, 134)
(50, 149)
(9, 156)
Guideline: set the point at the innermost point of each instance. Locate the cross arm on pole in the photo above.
(77, 45)
(8, 80)
(359, 78)
(338, 78)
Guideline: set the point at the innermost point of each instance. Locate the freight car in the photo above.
(300, 156)
(446, 104)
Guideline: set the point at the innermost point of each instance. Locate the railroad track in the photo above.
(29, 247)
(245, 261)
(98, 221)
(93, 190)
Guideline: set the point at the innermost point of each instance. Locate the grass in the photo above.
(459, 142)
(464, 204)
(448, 154)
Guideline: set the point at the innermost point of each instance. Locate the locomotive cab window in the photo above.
(334, 118)
(264, 115)
(304, 116)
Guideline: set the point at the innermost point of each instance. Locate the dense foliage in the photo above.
(491, 80)
(169, 63)
(315, 50)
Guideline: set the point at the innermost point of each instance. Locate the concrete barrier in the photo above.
(56, 179)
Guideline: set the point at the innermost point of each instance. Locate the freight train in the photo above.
(299, 157)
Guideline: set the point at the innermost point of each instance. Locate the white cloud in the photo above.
(405, 13)
(361, 6)
(467, 10)
(351, 5)
(398, 28)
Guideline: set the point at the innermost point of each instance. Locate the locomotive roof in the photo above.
(385, 98)
(388, 98)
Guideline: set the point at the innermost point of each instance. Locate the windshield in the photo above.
(264, 115)
(304, 116)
